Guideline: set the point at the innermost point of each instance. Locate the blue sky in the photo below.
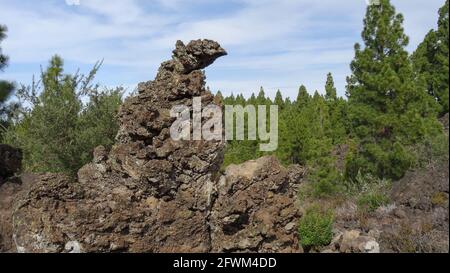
(277, 44)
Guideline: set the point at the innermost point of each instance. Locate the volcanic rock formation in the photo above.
(153, 194)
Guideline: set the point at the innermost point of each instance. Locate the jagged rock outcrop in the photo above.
(153, 194)
(10, 161)
(149, 193)
(256, 208)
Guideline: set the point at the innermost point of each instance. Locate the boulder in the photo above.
(257, 208)
(10, 192)
(353, 241)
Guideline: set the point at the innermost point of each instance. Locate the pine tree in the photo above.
(240, 100)
(252, 99)
(47, 129)
(303, 97)
(330, 90)
(229, 100)
(293, 135)
(431, 60)
(287, 102)
(279, 100)
(389, 109)
(6, 88)
(56, 131)
(261, 98)
(337, 112)
(238, 151)
(320, 115)
(3, 58)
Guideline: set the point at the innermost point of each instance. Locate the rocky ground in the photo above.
(153, 194)
(415, 220)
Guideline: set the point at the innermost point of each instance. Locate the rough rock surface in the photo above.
(353, 241)
(256, 208)
(9, 192)
(10, 161)
(153, 194)
(415, 220)
(418, 221)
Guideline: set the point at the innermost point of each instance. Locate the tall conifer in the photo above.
(389, 108)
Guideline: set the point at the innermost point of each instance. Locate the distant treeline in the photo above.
(386, 122)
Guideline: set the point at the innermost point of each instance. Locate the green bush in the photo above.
(315, 228)
(325, 182)
(372, 201)
(62, 118)
(369, 191)
(325, 178)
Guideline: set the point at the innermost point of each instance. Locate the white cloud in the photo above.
(277, 44)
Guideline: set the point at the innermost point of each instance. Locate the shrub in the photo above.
(370, 192)
(325, 185)
(439, 199)
(372, 201)
(326, 180)
(62, 118)
(405, 239)
(315, 228)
